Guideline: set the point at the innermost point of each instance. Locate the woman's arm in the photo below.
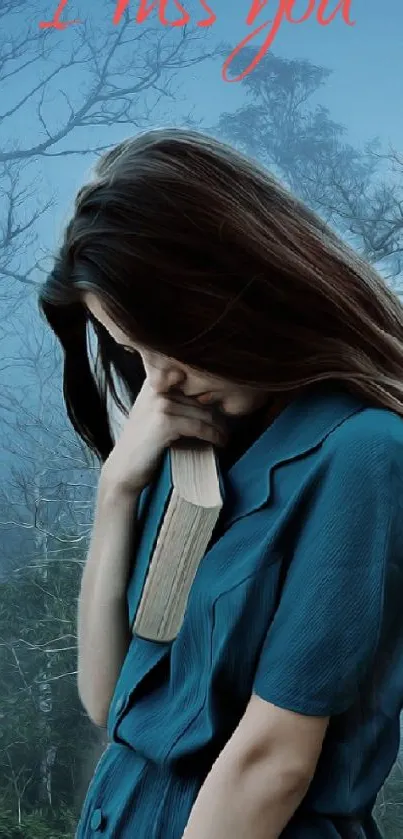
(103, 621)
(260, 777)
(323, 639)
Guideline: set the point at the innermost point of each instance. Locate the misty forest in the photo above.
(66, 97)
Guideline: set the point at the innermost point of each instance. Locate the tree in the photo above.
(44, 732)
(126, 76)
(284, 125)
(46, 508)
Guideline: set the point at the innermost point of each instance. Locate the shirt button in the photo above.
(120, 703)
(97, 820)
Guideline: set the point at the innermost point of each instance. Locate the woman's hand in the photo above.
(155, 421)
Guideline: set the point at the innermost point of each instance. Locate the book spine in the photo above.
(182, 543)
(155, 501)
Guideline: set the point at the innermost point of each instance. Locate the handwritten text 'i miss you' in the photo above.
(326, 12)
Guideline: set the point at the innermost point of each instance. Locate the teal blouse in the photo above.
(298, 600)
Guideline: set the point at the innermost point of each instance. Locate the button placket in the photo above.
(120, 706)
(120, 703)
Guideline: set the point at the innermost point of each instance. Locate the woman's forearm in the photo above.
(248, 793)
(103, 622)
(254, 804)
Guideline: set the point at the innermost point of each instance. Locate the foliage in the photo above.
(45, 733)
(388, 811)
(36, 825)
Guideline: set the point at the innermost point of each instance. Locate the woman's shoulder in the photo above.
(372, 435)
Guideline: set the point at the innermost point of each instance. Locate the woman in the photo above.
(275, 711)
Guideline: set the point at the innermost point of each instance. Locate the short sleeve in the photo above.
(322, 640)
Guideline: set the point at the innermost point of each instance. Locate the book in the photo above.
(179, 513)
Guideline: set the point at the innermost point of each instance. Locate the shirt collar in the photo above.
(301, 427)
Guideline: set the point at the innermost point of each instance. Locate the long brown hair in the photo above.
(200, 254)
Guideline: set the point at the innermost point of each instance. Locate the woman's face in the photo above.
(166, 374)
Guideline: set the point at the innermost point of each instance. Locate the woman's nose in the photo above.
(163, 380)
